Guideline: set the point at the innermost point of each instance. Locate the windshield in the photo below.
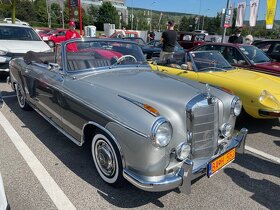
(209, 61)
(93, 54)
(254, 54)
(18, 33)
(137, 40)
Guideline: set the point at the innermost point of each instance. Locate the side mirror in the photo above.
(53, 66)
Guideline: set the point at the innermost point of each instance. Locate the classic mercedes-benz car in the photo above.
(259, 93)
(157, 131)
(243, 55)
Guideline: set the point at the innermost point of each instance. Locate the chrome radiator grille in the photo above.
(202, 125)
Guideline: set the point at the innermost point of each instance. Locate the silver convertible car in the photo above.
(157, 131)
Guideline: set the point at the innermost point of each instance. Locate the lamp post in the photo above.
(120, 14)
(151, 15)
(62, 12)
(203, 19)
(132, 16)
(225, 29)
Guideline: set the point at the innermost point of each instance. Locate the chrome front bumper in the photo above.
(184, 176)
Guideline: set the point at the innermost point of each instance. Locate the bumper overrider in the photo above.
(185, 174)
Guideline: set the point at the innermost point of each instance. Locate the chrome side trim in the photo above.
(107, 132)
(141, 105)
(56, 126)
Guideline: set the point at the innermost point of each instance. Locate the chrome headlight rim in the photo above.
(183, 151)
(226, 129)
(236, 106)
(3, 52)
(155, 128)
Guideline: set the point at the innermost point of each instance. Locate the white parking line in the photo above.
(56, 194)
(263, 154)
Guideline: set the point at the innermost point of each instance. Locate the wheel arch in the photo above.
(91, 128)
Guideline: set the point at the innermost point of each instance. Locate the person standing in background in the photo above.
(236, 38)
(151, 36)
(72, 34)
(249, 39)
(168, 40)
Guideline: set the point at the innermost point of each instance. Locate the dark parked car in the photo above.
(245, 56)
(270, 47)
(153, 48)
(157, 131)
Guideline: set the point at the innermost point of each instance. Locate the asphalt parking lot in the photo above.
(42, 169)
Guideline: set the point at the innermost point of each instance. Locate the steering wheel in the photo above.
(124, 57)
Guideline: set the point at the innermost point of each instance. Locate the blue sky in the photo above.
(208, 7)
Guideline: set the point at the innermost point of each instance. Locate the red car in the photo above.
(55, 36)
(245, 56)
(190, 39)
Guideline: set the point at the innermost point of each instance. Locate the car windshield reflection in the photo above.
(209, 61)
(254, 54)
(95, 54)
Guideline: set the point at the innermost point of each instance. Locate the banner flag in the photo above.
(241, 7)
(254, 6)
(270, 13)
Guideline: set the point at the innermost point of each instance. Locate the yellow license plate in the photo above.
(220, 162)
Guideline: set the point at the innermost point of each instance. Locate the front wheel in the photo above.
(21, 98)
(107, 159)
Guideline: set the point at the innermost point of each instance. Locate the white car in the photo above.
(15, 41)
(17, 21)
(3, 199)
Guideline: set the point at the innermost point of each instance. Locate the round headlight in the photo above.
(236, 106)
(267, 99)
(161, 133)
(184, 151)
(226, 130)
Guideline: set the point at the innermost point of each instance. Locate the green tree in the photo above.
(93, 13)
(107, 14)
(40, 11)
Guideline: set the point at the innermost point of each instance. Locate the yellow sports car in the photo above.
(259, 93)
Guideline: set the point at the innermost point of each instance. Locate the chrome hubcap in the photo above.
(105, 158)
(20, 96)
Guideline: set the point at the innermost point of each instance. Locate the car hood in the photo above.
(270, 66)
(16, 46)
(145, 85)
(251, 79)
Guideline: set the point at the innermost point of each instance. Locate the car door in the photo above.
(44, 83)
(275, 52)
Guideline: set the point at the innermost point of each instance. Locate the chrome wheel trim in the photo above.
(20, 96)
(105, 158)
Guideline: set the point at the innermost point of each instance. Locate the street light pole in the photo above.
(151, 15)
(203, 19)
(225, 29)
(132, 16)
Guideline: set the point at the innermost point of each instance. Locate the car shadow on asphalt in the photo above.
(265, 192)
(79, 160)
(254, 125)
